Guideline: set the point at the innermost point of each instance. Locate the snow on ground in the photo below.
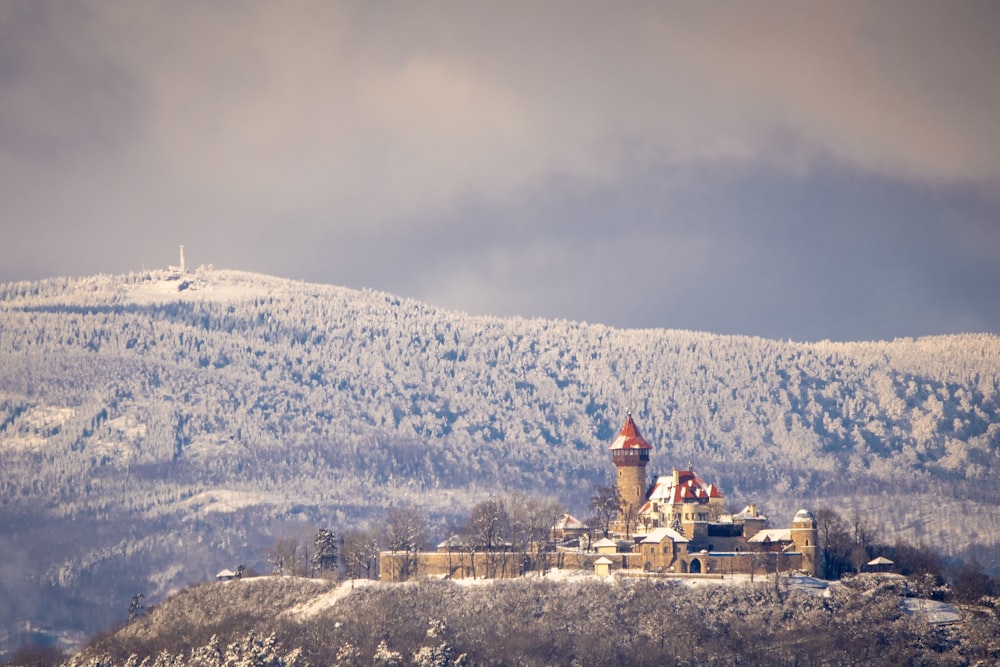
(200, 286)
(128, 426)
(225, 500)
(324, 601)
(34, 427)
(572, 574)
(935, 613)
(205, 284)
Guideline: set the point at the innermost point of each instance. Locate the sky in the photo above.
(793, 170)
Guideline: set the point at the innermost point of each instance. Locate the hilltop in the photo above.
(558, 620)
(156, 427)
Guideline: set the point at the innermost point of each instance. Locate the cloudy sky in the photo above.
(800, 170)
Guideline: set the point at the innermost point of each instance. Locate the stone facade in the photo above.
(499, 565)
(630, 453)
(680, 526)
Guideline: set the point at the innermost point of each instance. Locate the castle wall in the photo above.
(752, 526)
(665, 558)
(498, 565)
(661, 561)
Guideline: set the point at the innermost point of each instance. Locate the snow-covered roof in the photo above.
(803, 516)
(881, 560)
(453, 541)
(223, 574)
(749, 512)
(658, 535)
(629, 437)
(772, 535)
(604, 542)
(680, 487)
(570, 522)
(603, 560)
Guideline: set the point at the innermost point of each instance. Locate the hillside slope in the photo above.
(574, 620)
(156, 427)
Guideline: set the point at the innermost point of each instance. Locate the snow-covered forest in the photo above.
(156, 427)
(586, 621)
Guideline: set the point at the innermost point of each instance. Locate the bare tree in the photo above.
(527, 524)
(970, 583)
(834, 541)
(862, 537)
(288, 556)
(605, 503)
(403, 532)
(359, 554)
(487, 530)
(538, 517)
(916, 559)
(629, 515)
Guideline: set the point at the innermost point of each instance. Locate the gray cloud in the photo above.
(701, 166)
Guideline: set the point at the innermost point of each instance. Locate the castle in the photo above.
(678, 524)
(674, 527)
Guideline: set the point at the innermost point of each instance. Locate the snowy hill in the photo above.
(156, 427)
(566, 621)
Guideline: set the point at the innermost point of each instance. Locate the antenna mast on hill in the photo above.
(182, 259)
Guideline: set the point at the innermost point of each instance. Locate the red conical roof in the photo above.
(629, 437)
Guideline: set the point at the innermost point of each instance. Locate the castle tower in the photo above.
(630, 453)
(805, 536)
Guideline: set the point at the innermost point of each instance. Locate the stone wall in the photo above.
(504, 565)
(497, 565)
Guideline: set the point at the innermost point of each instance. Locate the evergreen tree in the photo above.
(136, 608)
(326, 550)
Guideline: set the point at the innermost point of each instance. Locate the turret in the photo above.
(805, 536)
(630, 453)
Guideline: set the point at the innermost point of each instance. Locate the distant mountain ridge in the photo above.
(173, 422)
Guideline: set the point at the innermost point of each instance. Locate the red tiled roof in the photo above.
(690, 488)
(629, 437)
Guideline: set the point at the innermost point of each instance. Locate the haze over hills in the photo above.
(157, 426)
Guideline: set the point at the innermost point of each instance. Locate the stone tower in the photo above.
(630, 453)
(806, 538)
